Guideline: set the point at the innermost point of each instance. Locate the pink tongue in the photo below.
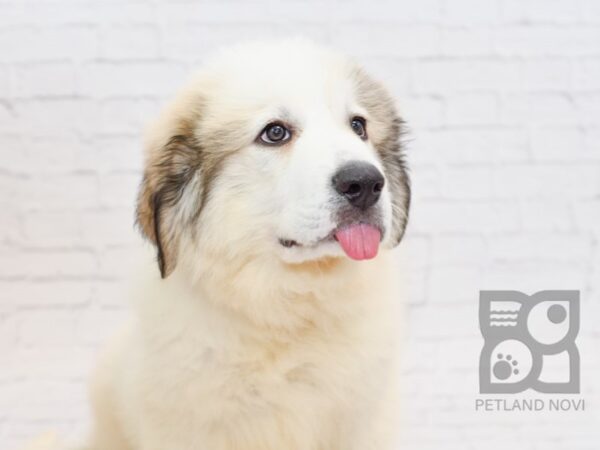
(359, 241)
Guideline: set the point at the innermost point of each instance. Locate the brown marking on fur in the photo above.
(185, 165)
(387, 133)
(166, 178)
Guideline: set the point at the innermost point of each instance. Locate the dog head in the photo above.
(283, 150)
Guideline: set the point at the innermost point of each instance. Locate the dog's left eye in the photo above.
(359, 126)
(275, 134)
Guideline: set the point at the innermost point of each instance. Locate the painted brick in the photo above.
(142, 42)
(502, 102)
(45, 80)
(131, 79)
(27, 43)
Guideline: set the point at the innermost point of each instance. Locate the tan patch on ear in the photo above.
(183, 157)
(162, 214)
(144, 211)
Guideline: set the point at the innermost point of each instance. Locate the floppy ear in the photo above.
(394, 163)
(388, 143)
(170, 196)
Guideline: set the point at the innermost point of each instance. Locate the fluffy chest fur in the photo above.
(207, 377)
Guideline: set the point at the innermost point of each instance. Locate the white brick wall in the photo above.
(503, 100)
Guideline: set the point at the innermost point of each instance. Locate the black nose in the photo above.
(361, 183)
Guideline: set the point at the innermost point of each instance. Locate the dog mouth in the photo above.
(288, 243)
(359, 241)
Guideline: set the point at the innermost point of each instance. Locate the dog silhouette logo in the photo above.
(529, 342)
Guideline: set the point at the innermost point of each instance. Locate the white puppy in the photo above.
(270, 185)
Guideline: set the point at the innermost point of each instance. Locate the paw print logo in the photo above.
(505, 367)
(510, 362)
(529, 342)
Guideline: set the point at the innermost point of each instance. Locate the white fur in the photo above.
(240, 348)
(313, 371)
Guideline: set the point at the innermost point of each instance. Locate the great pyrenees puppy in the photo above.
(274, 188)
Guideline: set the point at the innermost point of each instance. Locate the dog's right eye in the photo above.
(274, 133)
